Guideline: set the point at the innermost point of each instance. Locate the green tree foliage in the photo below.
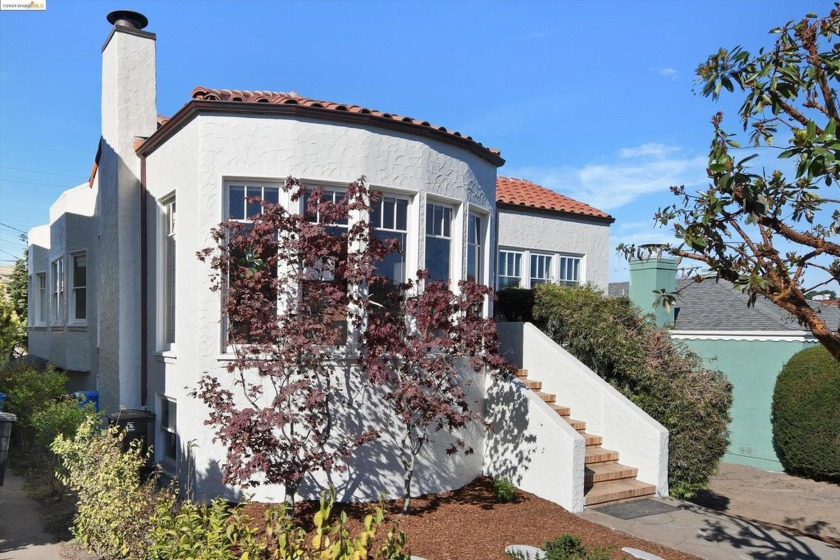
(666, 379)
(19, 285)
(806, 415)
(770, 232)
(11, 327)
(29, 391)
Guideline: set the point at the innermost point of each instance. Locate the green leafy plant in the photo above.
(806, 415)
(115, 512)
(664, 378)
(29, 391)
(568, 547)
(504, 489)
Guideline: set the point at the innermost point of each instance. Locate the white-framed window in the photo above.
(168, 430)
(569, 270)
(540, 269)
(78, 294)
(510, 269)
(57, 302)
(42, 313)
(168, 280)
(239, 206)
(475, 262)
(327, 195)
(438, 241)
(389, 218)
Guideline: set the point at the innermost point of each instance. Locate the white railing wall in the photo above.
(641, 441)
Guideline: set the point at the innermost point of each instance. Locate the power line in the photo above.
(14, 228)
(36, 171)
(39, 183)
(16, 257)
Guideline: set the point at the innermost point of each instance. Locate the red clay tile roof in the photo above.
(519, 192)
(292, 98)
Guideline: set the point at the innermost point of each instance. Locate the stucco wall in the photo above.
(752, 367)
(559, 234)
(212, 149)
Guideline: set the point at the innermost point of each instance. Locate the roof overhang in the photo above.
(196, 107)
(766, 336)
(554, 213)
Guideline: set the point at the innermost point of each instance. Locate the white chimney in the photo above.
(129, 110)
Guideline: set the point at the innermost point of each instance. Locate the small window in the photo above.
(510, 269)
(169, 272)
(78, 297)
(240, 204)
(327, 196)
(475, 269)
(57, 303)
(43, 300)
(540, 269)
(569, 271)
(168, 432)
(438, 241)
(389, 219)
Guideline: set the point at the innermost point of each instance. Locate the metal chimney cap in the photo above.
(127, 18)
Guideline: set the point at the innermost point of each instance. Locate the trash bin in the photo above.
(135, 423)
(6, 421)
(86, 397)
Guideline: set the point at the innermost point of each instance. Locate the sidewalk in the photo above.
(740, 495)
(22, 536)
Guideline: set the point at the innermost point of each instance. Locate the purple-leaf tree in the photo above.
(424, 347)
(288, 285)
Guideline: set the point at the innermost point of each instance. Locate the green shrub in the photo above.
(118, 516)
(115, 512)
(504, 490)
(806, 415)
(28, 391)
(663, 377)
(568, 547)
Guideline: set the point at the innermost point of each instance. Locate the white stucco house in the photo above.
(120, 300)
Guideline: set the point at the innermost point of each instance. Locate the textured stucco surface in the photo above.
(213, 150)
(559, 234)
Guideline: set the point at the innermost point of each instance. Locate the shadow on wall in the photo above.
(509, 444)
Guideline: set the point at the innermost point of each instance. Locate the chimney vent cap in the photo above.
(127, 18)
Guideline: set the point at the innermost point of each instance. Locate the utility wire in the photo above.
(36, 171)
(39, 183)
(12, 227)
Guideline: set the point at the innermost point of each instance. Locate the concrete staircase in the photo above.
(605, 479)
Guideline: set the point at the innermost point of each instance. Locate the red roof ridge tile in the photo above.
(202, 93)
(522, 192)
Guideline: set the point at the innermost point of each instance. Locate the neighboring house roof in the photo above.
(713, 305)
(519, 192)
(275, 102)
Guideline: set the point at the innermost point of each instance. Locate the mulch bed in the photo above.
(469, 524)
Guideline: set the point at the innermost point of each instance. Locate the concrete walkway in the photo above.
(22, 535)
(746, 508)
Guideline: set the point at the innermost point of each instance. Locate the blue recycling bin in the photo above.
(86, 397)
(2, 401)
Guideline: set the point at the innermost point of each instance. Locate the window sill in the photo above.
(77, 327)
(38, 328)
(166, 356)
(56, 327)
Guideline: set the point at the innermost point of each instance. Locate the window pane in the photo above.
(254, 208)
(393, 265)
(80, 297)
(430, 219)
(388, 207)
(236, 203)
(402, 215)
(79, 271)
(437, 258)
(271, 194)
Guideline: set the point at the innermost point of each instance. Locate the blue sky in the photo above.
(591, 99)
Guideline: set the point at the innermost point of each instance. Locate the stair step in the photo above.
(562, 410)
(616, 490)
(533, 385)
(603, 472)
(578, 425)
(546, 397)
(522, 373)
(592, 440)
(600, 455)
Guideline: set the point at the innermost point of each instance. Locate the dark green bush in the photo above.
(504, 490)
(666, 379)
(28, 391)
(806, 415)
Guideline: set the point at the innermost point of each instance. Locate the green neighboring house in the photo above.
(749, 344)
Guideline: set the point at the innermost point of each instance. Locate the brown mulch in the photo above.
(470, 524)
